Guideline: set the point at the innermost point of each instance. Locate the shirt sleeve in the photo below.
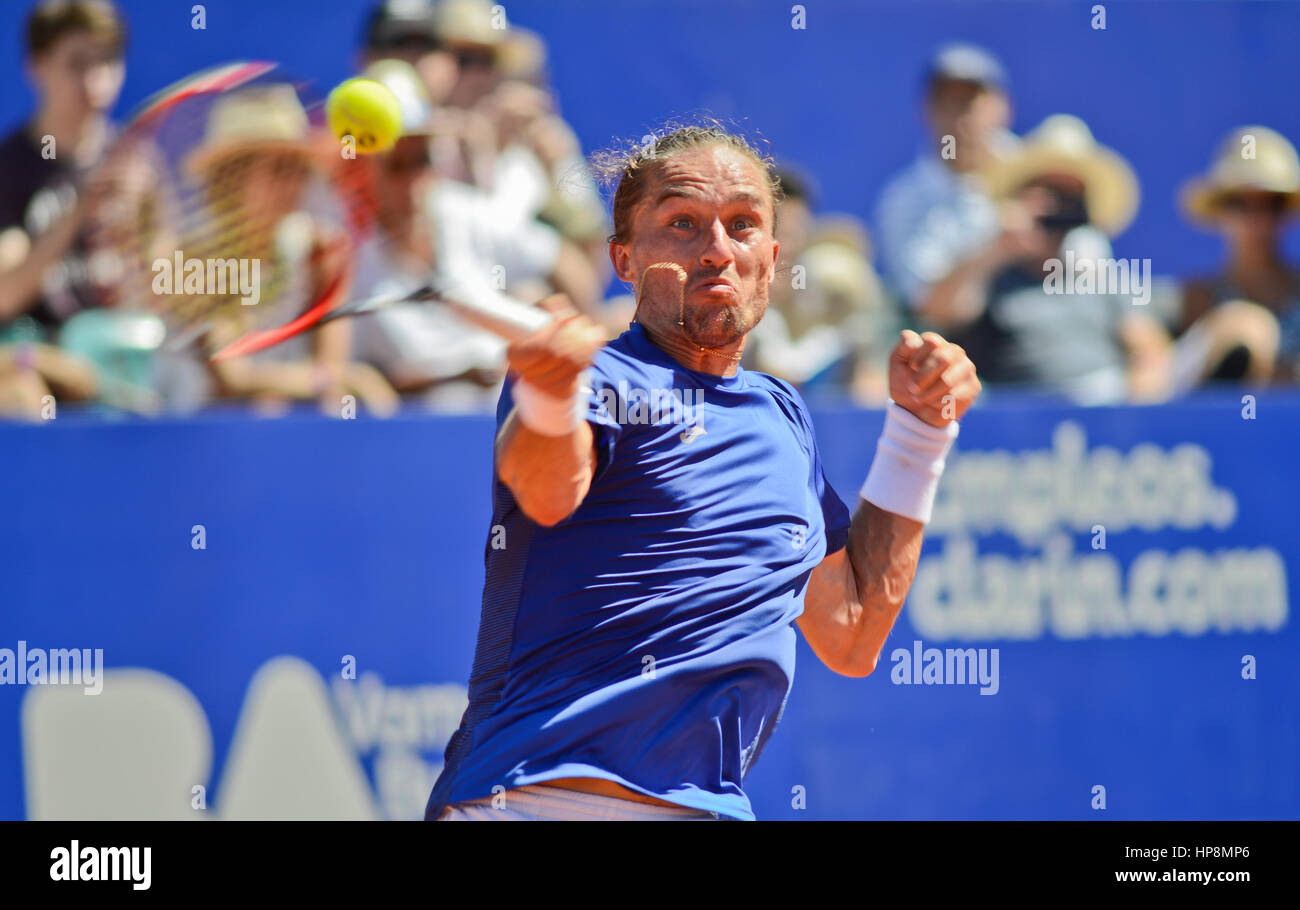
(835, 514)
(599, 392)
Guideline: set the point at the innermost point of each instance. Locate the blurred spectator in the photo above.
(497, 129)
(74, 56)
(434, 229)
(1092, 344)
(827, 319)
(794, 225)
(74, 51)
(463, 141)
(835, 333)
(473, 31)
(422, 348)
(539, 172)
(937, 224)
(406, 30)
(1243, 322)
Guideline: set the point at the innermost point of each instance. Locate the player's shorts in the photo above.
(538, 802)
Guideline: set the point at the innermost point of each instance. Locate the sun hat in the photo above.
(1273, 167)
(1063, 144)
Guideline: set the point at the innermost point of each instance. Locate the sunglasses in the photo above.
(1272, 204)
(475, 59)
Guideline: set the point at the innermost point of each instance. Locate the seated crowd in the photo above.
(1000, 243)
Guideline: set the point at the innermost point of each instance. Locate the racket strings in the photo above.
(172, 195)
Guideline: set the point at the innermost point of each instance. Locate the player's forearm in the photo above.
(855, 595)
(548, 475)
(883, 551)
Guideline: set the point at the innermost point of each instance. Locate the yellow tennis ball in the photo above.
(367, 111)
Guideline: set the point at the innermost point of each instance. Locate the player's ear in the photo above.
(622, 261)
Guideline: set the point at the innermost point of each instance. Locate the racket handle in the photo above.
(501, 315)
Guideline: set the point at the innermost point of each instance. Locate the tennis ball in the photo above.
(367, 111)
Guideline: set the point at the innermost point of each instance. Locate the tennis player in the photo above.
(647, 563)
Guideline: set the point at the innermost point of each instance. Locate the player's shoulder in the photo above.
(772, 384)
(786, 396)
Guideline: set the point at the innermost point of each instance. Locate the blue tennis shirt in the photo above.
(648, 638)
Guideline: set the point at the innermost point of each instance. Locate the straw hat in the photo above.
(522, 55)
(1274, 168)
(263, 118)
(1063, 144)
(471, 22)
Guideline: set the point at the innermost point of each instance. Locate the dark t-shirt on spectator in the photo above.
(1066, 343)
(35, 192)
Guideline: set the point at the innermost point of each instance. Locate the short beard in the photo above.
(714, 328)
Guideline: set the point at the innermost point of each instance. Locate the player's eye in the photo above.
(681, 222)
(742, 224)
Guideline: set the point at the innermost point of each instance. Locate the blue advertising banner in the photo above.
(266, 619)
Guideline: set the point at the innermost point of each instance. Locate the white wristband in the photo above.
(909, 461)
(544, 413)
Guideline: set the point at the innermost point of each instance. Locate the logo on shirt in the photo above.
(692, 433)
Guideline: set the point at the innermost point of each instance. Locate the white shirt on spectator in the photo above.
(414, 341)
(475, 240)
(929, 219)
(427, 340)
(520, 184)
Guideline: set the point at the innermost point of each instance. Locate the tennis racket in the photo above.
(174, 226)
(499, 314)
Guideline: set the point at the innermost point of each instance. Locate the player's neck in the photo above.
(722, 362)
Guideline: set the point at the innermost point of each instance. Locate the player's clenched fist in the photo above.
(552, 358)
(932, 378)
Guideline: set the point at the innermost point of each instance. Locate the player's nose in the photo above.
(717, 250)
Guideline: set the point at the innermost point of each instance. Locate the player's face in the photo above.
(709, 211)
